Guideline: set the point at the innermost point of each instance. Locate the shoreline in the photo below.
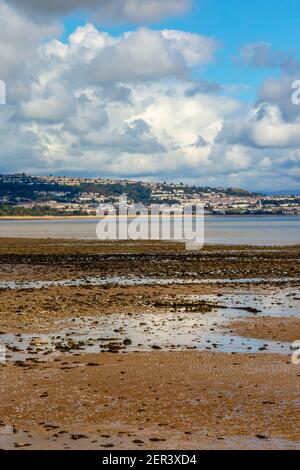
(154, 243)
(72, 217)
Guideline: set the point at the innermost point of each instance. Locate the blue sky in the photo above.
(234, 23)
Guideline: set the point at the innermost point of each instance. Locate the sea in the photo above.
(226, 230)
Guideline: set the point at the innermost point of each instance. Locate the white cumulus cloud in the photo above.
(130, 105)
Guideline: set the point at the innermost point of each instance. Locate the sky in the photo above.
(194, 91)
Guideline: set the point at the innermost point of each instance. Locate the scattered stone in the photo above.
(138, 441)
(127, 342)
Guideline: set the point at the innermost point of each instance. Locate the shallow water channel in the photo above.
(180, 330)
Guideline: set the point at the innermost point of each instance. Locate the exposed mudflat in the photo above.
(68, 259)
(145, 345)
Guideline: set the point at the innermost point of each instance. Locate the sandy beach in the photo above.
(146, 346)
(155, 400)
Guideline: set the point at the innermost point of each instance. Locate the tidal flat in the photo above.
(146, 345)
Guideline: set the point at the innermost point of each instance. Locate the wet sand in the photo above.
(183, 400)
(168, 397)
(25, 310)
(274, 329)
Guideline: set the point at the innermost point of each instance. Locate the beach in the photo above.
(147, 346)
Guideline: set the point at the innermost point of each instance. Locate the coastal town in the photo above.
(21, 194)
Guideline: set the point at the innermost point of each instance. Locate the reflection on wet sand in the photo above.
(136, 281)
(193, 322)
(148, 350)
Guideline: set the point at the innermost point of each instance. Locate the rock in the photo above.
(21, 364)
(251, 310)
(38, 342)
(138, 441)
(127, 342)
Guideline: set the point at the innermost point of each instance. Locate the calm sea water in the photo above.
(271, 230)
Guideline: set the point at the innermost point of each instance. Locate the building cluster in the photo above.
(83, 195)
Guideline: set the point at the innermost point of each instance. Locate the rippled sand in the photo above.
(183, 400)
